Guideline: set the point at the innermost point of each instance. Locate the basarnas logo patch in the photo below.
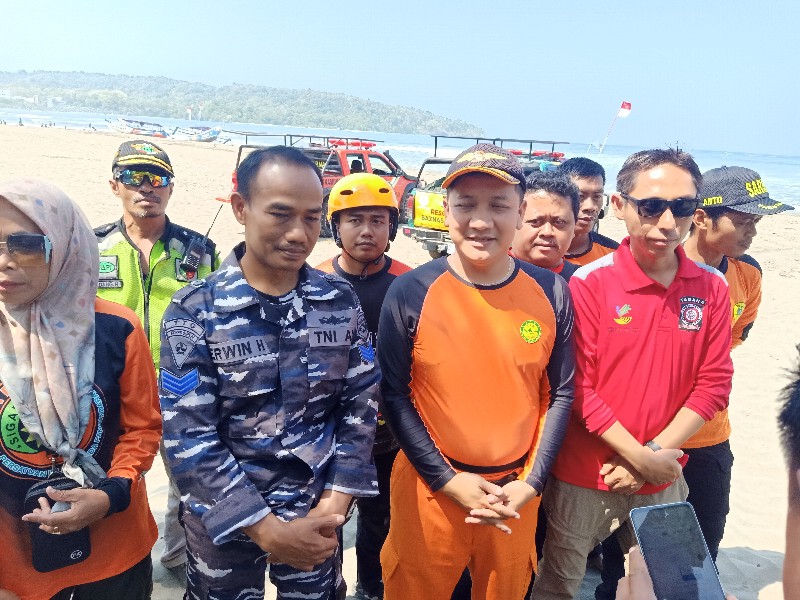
(691, 317)
(182, 335)
(622, 317)
(530, 331)
(738, 310)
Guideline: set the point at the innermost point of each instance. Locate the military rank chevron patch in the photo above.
(179, 386)
(367, 353)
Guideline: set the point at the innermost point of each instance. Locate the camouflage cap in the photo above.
(739, 189)
(140, 153)
(489, 159)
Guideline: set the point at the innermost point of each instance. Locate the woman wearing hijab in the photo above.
(78, 409)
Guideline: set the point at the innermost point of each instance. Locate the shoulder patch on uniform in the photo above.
(182, 336)
(179, 385)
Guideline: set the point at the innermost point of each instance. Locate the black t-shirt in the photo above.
(371, 290)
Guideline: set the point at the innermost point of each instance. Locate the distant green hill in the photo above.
(163, 97)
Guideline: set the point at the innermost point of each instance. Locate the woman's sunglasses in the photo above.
(136, 178)
(655, 207)
(28, 249)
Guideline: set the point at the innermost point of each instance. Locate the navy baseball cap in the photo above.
(739, 189)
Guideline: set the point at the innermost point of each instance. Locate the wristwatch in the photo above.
(653, 446)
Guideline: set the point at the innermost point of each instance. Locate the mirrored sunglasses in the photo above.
(655, 207)
(136, 178)
(28, 249)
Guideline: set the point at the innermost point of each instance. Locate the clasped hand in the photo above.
(306, 542)
(488, 503)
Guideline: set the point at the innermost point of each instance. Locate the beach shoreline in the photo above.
(751, 554)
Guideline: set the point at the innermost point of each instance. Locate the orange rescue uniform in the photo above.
(476, 379)
(123, 435)
(599, 246)
(743, 275)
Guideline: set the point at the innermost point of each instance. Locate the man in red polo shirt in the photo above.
(653, 333)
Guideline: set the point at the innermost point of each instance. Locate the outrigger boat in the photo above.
(133, 127)
(196, 134)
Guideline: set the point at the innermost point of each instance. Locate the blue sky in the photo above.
(707, 74)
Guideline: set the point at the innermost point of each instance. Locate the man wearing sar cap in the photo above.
(144, 259)
(477, 362)
(733, 200)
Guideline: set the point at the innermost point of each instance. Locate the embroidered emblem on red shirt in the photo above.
(691, 318)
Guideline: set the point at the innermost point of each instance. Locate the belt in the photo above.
(520, 462)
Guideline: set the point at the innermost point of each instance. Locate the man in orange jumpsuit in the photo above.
(477, 359)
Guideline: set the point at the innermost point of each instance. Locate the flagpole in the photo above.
(603, 145)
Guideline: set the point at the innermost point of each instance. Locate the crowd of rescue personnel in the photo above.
(492, 415)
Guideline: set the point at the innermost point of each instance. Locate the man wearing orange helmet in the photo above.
(362, 211)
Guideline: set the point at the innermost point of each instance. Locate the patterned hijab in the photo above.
(47, 347)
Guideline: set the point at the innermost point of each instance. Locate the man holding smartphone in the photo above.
(652, 365)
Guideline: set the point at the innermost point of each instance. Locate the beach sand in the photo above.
(752, 551)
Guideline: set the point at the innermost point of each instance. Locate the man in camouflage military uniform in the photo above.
(269, 394)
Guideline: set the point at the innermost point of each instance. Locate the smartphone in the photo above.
(676, 553)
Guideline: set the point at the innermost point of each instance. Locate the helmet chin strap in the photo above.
(366, 263)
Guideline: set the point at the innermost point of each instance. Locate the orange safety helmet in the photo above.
(360, 190)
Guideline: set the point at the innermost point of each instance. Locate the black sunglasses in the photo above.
(28, 249)
(655, 207)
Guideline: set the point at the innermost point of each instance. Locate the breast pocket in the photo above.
(327, 370)
(251, 406)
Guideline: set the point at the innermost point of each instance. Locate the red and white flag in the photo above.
(624, 110)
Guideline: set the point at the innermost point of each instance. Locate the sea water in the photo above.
(781, 174)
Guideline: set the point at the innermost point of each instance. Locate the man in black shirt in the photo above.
(362, 210)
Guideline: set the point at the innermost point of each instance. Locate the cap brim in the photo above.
(502, 175)
(144, 165)
(762, 207)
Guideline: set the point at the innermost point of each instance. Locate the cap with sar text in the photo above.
(489, 159)
(140, 153)
(739, 189)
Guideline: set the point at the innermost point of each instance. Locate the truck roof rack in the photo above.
(312, 141)
(498, 142)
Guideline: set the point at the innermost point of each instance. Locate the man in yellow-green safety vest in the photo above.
(144, 259)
